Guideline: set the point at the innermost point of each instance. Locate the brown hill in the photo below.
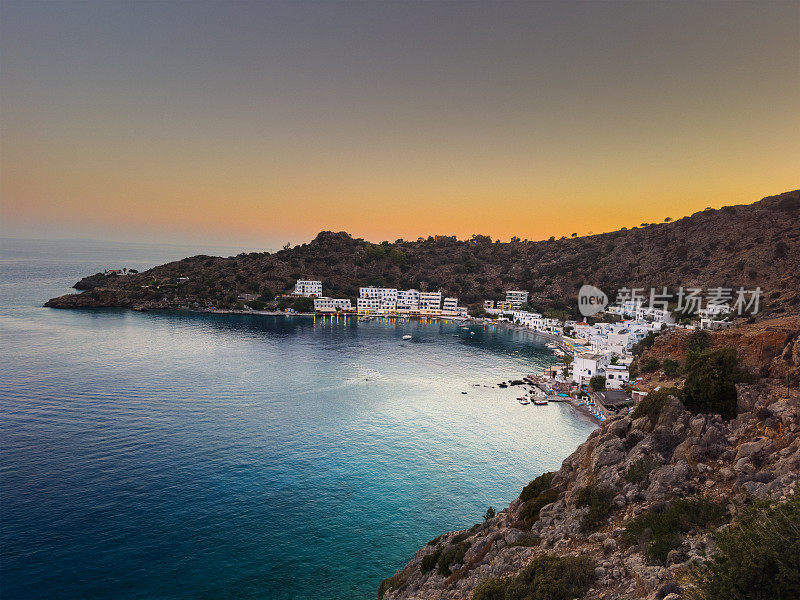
(746, 245)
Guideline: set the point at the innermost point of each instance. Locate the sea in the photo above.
(176, 455)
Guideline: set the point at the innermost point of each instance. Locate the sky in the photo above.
(260, 123)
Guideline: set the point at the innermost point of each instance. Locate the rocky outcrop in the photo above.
(632, 466)
(95, 298)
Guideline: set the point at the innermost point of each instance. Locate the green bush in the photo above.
(394, 582)
(650, 406)
(663, 531)
(639, 470)
(671, 367)
(599, 501)
(650, 365)
(598, 383)
(530, 510)
(546, 578)
(452, 555)
(647, 342)
(711, 383)
(429, 560)
(256, 304)
(696, 344)
(536, 495)
(537, 486)
(526, 541)
(757, 557)
(490, 513)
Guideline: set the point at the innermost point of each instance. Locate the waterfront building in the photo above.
(450, 307)
(308, 288)
(430, 303)
(325, 304)
(408, 301)
(586, 366)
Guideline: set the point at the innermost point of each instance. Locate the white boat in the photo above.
(540, 402)
(406, 337)
(523, 400)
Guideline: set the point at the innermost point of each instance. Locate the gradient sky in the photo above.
(264, 122)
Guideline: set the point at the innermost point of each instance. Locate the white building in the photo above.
(325, 304)
(308, 288)
(516, 298)
(488, 305)
(430, 303)
(450, 307)
(587, 366)
(616, 376)
(386, 299)
(368, 306)
(407, 301)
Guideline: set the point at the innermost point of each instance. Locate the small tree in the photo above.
(711, 383)
(598, 383)
(490, 513)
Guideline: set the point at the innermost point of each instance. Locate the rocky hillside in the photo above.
(657, 503)
(749, 245)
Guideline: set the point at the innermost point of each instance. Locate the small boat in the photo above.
(406, 337)
(463, 326)
(472, 333)
(540, 402)
(523, 400)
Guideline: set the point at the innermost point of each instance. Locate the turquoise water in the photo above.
(173, 455)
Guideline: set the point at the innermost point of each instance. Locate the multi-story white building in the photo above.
(368, 306)
(325, 304)
(386, 297)
(308, 288)
(516, 298)
(407, 301)
(450, 307)
(586, 366)
(616, 376)
(430, 303)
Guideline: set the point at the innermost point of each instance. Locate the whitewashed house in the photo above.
(585, 366)
(430, 303)
(308, 288)
(325, 304)
(616, 376)
(516, 298)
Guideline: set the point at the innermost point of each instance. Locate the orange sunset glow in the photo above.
(272, 122)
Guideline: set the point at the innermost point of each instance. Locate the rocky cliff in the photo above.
(634, 511)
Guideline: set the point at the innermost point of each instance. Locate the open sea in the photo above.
(177, 455)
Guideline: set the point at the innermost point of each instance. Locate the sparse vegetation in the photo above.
(536, 495)
(650, 406)
(757, 556)
(650, 365)
(670, 367)
(394, 582)
(661, 530)
(639, 471)
(527, 541)
(711, 383)
(599, 501)
(598, 383)
(546, 578)
(451, 555)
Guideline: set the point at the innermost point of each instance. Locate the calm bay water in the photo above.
(173, 455)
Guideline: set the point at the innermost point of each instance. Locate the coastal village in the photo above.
(594, 369)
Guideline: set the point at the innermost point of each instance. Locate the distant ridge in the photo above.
(745, 245)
